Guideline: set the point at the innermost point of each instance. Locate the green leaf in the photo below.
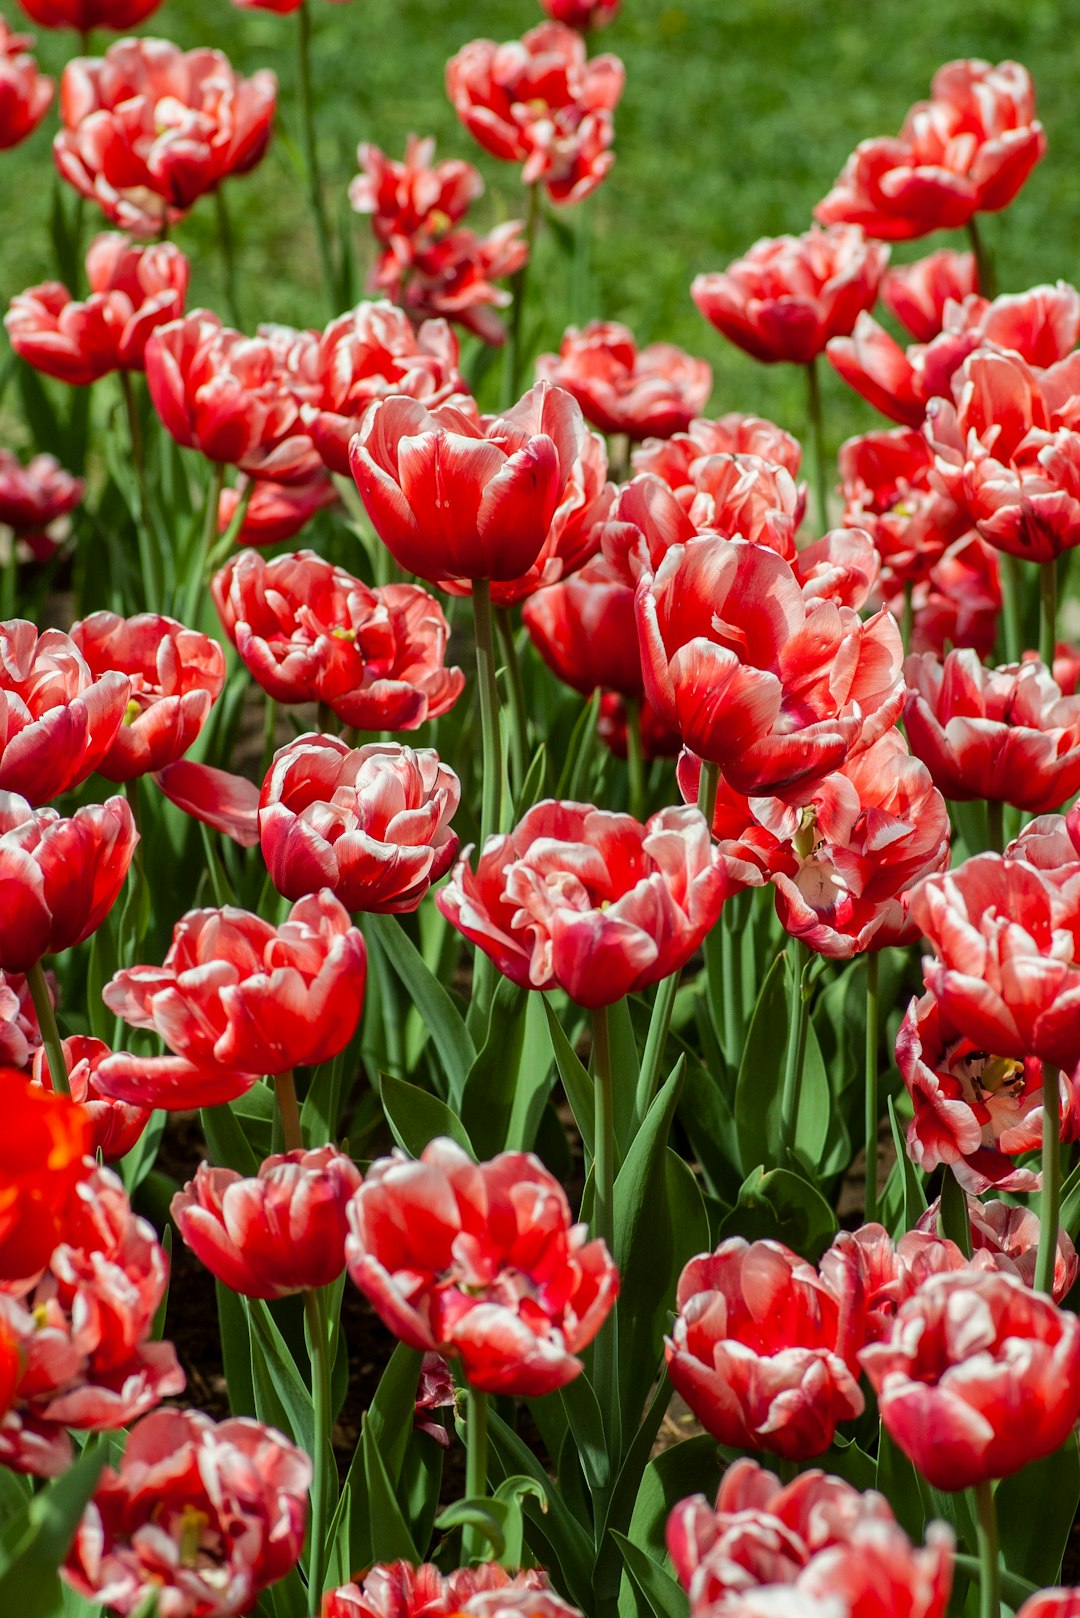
(391, 1540)
(235, 1351)
(390, 1416)
(759, 1087)
(914, 1197)
(1047, 1493)
(815, 1109)
(488, 1098)
(585, 1421)
(534, 1080)
(626, 1070)
(688, 1468)
(557, 1538)
(781, 1205)
(664, 1596)
(448, 1031)
(575, 1080)
(580, 755)
(282, 1397)
(1015, 1589)
(532, 788)
(136, 1165)
(489, 1516)
(1070, 1203)
(36, 1542)
(226, 1141)
(953, 1213)
(416, 1116)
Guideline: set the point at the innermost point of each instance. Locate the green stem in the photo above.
(708, 782)
(269, 735)
(653, 1057)
(907, 622)
(50, 1033)
(989, 1557)
(227, 244)
(514, 369)
(954, 1217)
(307, 120)
(734, 918)
(288, 1107)
(322, 1459)
(817, 443)
(153, 576)
(200, 571)
(983, 267)
(1048, 593)
(1012, 591)
(491, 739)
(1051, 1181)
(635, 759)
(519, 721)
(606, 1347)
(476, 1448)
(796, 1046)
(995, 826)
(871, 1086)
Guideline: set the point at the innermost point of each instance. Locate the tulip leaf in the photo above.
(1069, 1215)
(36, 1542)
(391, 1540)
(953, 1216)
(1046, 1492)
(778, 1204)
(488, 1516)
(663, 1596)
(1015, 1589)
(136, 1165)
(532, 788)
(534, 1081)
(914, 1197)
(626, 1070)
(235, 1351)
(417, 1117)
(759, 1087)
(558, 1540)
(448, 1031)
(691, 1467)
(282, 1397)
(390, 1416)
(814, 1110)
(585, 1421)
(488, 1098)
(226, 1141)
(580, 753)
(575, 1080)
(420, 1486)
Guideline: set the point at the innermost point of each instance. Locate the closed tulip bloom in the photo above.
(85, 15)
(481, 1263)
(281, 1232)
(60, 877)
(452, 495)
(978, 1377)
(369, 353)
(889, 494)
(790, 294)
(672, 459)
(369, 823)
(592, 902)
(176, 676)
(967, 150)
(1007, 735)
(203, 1515)
(310, 632)
(115, 1126)
(236, 998)
(775, 689)
(484, 1590)
(57, 719)
(756, 1350)
(43, 1149)
(25, 93)
(917, 294)
(275, 512)
(584, 629)
(149, 128)
(648, 392)
(133, 290)
(582, 14)
(541, 101)
(34, 496)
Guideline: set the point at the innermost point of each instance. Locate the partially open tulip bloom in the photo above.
(274, 512)
(1006, 735)
(673, 459)
(1056, 1603)
(176, 676)
(371, 823)
(236, 998)
(775, 689)
(85, 15)
(812, 1545)
(584, 629)
(757, 1350)
(133, 290)
(482, 1263)
(60, 878)
(917, 294)
(592, 902)
(203, 1515)
(57, 719)
(889, 494)
(967, 150)
(790, 294)
(25, 93)
(115, 1125)
(310, 632)
(454, 495)
(281, 1232)
(149, 128)
(978, 1377)
(1005, 1237)
(541, 101)
(959, 602)
(484, 1590)
(34, 496)
(43, 1148)
(648, 392)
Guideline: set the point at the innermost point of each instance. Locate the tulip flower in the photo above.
(655, 739)
(582, 14)
(967, 150)
(673, 459)
(149, 128)
(959, 602)
(369, 823)
(757, 1350)
(871, 1275)
(34, 496)
(115, 1126)
(310, 632)
(25, 93)
(281, 1232)
(236, 998)
(648, 393)
(480, 1262)
(229, 803)
(543, 102)
(584, 629)
(1056, 1603)
(274, 512)
(43, 1149)
(592, 902)
(889, 494)
(918, 294)
(20, 1035)
(85, 15)
(978, 1377)
(400, 1590)
(791, 294)
(731, 496)
(133, 290)
(1006, 1237)
(204, 1515)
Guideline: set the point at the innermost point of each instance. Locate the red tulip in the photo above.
(582, 14)
(543, 102)
(591, 901)
(236, 998)
(42, 1159)
(454, 278)
(57, 720)
(790, 294)
(281, 1232)
(35, 496)
(202, 1515)
(149, 128)
(917, 294)
(115, 1125)
(756, 1350)
(871, 1276)
(967, 150)
(584, 629)
(673, 459)
(842, 567)
(485, 1590)
(959, 602)
(59, 878)
(775, 689)
(176, 676)
(655, 739)
(84, 15)
(1007, 735)
(814, 1545)
(1006, 1237)
(275, 512)
(133, 290)
(417, 198)
(310, 632)
(1051, 843)
(481, 1263)
(454, 495)
(732, 496)
(20, 1035)
(889, 494)
(1056, 1603)
(648, 392)
(228, 803)
(25, 93)
(369, 823)
(979, 1377)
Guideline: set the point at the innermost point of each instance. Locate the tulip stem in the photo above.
(322, 1461)
(995, 826)
(153, 578)
(798, 1027)
(817, 444)
(907, 622)
(476, 1448)
(285, 1088)
(519, 721)
(606, 1346)
(50, 1033)
(653, 1057)
(1048, 592)
(1012, 591)
(198, 575)
(491, 801)
(514, 370)
(989, 1557)
(871, 1208)
(984, 269)
(1051, 1181)
(635, 759)
(227, 243)
(269, 735)
(708, 782)
(311, 154)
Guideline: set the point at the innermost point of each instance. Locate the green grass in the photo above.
(735, 120)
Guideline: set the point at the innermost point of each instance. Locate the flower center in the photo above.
(192, 1525)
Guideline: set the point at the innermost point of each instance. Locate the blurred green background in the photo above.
(735, 120)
